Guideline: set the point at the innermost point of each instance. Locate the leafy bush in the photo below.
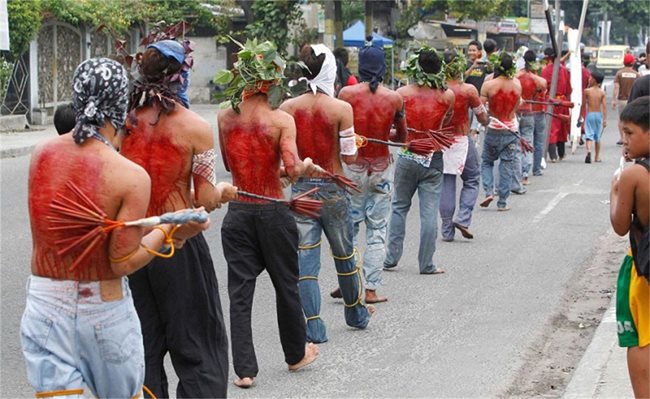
(6, 68)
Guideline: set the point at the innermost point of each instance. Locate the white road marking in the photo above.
(556, 200)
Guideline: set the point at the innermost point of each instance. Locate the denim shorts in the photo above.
(71, 337)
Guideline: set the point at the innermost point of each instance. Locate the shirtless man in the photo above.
(87, 313)
(179, 296)
(461, 158)
(429, 104)
(326, 135)
(502, 95)
(596, 114)
(531, 116)
(258, 235)
(376, 110)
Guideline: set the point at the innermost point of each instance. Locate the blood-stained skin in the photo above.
(424, 110)
(528, 92)
(54, 166)
(166, 162)
(503, 103)
(460, 120)
(254, 161)
(315, 139)
(373, 118)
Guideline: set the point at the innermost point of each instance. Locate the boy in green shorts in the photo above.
(630, 212)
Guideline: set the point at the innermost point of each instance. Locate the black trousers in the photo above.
(257, 237)
(180, 311)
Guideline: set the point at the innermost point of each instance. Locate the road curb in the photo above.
(592, 366)
(16, 152)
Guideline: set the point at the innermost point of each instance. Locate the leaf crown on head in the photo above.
(414, 70)
(259, 69)
(495, 60)
(456, 68)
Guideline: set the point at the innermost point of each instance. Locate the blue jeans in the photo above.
(371, 205)
(527, 131)
(539, 142)
(409, 177)
(70, 337)
(335, 221)
(468, 194)
(501, 145)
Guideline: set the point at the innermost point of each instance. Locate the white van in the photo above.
(610, 58)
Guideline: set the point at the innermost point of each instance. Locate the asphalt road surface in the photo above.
(459, 334)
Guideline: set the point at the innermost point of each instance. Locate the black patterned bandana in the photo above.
(99, 93)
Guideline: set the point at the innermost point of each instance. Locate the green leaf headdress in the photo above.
(495, 60)
(416, 74)
(456, 68)
(259, 69)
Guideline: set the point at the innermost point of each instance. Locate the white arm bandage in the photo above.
(479, 110)
(347, 141)
(203, 165)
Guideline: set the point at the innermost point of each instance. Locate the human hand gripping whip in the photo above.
(89, 225)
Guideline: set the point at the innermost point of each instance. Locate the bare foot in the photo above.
(486, 201)
(311, 353)
(372, 297)
(245, 382)
(371, 310)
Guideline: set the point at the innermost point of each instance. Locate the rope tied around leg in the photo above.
(301, 247)
(357, 271)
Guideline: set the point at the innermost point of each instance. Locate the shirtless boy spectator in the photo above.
(502, 95)
(326, 135)
(92, 329)
(177, 297)
(623, 82)
(630, 213)
(428, 105)
(461, 158)
(257, 235)
(596, 119)
(376, 110)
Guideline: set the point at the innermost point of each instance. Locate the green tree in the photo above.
(24, 23)
(273, 20)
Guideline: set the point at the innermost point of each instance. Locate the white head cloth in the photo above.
(327, 76)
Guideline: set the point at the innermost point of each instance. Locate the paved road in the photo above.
(459, 334)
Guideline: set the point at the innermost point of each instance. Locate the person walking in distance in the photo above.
(461, 159)
(596, 114)
(502, 95)
(531, 116)
(623, 82)
(376, 109)
(428, 105)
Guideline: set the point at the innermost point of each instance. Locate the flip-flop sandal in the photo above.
(464, 231)
(379, 299)
(486, 201)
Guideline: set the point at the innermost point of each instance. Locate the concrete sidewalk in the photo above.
(602, 371)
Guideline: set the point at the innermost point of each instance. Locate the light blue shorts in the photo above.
(593, 126)
(71, 337)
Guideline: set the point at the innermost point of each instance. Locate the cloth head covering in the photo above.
(99, 94)
(327, 76)
(175, 50)
(372, 66)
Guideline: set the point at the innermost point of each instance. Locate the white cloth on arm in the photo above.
(480, 109)
(348, 141)
(327, 75)
(203, 165)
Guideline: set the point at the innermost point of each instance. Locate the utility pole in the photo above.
(557, 49)
(338, 22)
(328, 37)
(369, 17)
